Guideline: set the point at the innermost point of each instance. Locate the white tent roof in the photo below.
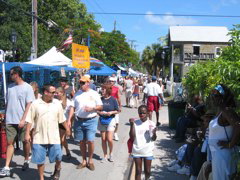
(199, 34)
(52, 58)
(131, 72)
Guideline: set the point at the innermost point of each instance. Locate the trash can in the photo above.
(175, 110)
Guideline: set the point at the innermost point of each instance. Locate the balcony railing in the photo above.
(201, 56)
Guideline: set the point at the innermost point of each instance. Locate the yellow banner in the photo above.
(80, 56)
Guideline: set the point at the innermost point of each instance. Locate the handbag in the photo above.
(105, 120)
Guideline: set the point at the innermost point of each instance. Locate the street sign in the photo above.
(80, 56)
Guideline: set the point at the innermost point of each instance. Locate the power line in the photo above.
(159, 14)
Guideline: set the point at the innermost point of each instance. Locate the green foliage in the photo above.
(69, 16)
(152, 59)
(202, 77)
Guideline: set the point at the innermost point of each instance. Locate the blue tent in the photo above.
(32, 67)
(101, 71)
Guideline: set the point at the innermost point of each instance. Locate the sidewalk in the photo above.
(164, 152)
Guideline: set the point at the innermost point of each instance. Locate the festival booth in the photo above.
(121, 70)
(132, 73)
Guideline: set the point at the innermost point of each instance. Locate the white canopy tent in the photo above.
(52, 58)
(131, 72)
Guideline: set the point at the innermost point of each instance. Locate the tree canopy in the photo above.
(56, 20)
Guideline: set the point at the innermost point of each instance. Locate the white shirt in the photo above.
(83, 99)
(143, 145)
(153, 89)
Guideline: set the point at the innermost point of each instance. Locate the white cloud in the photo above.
(229, 2)
(169, 20)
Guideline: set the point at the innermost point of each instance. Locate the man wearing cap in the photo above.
(153, 92)
(116, 95)
(86, 104)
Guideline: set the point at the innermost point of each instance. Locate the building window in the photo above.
(218, 51)
(196, 50)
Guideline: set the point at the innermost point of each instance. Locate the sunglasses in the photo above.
(142, 113)
(52, 92)
(82, 83)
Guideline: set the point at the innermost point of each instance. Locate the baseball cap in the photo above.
(84, 79)
(112, 79)
(154, 78)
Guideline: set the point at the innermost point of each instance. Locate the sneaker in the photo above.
(116, 137)
(5, 172)
(172, 163)
(175, 167)
(25, 166)
(110, 158)
(103, 159)
(184, 170)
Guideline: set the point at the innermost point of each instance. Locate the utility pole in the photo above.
(34, 30)
(131, 43)
(115, 24)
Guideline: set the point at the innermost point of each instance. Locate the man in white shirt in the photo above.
(128, 88)
(153, 92)
(86, 104)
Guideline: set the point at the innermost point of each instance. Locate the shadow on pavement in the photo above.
(168, 146)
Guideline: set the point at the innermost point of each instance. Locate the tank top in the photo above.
(217, 132)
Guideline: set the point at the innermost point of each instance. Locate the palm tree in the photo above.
(152, 60)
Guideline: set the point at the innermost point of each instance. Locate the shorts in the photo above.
(128, 93)
(147, 157)
(116, 118)
(13, 131)
(40, 151)
(110, 127)
(153, 103)
(85, 130)
(135, 95)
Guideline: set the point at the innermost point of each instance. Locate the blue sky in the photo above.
(145, 30)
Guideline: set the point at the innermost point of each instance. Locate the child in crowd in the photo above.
(143, 134)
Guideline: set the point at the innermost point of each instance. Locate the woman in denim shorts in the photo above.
(143, 134)
(107, 123)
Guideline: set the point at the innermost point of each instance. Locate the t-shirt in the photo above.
(115, 91)
(152, 89)
(110, 104)
(68, 92)
(136, 89)
(17, 98)
(143, 145)
(45, 118)
(84, 99)
(129, 84)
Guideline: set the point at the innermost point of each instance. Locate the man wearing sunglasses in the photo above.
(45, 115)
(86, 104)
(19, 98)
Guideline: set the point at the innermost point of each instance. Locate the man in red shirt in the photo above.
(116, 95)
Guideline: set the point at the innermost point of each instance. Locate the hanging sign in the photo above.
(80, 56)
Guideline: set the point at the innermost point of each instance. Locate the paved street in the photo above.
(117, 170)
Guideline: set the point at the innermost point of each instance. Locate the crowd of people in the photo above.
(211, 150)
(43, 119)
